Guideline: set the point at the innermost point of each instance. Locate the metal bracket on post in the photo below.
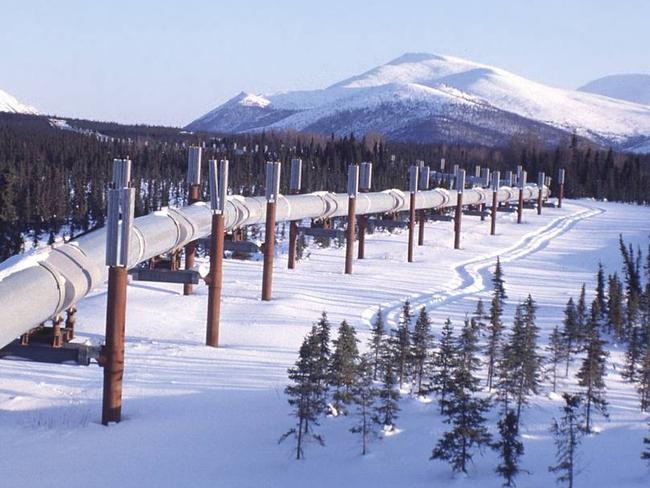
(353, 190)
(460, 187)
(218, 197)
(194, 190)
(365, 184)
(521, 180)
(119, 224)
(496, 175)
(414, 177)
(560, 180)
(541, 179)
(272, 194)
(294, 189)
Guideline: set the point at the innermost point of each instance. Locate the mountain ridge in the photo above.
(417, 88)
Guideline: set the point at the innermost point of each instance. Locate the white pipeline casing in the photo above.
(35, 287)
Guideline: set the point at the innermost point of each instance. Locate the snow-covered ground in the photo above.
(196, 416)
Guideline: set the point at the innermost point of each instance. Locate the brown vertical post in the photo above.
(520, 206)
(57, 335)
(560, 180)
(218, 197)
(113, 351)
(411, 227)
(457, 219)
(460, 186)
(495, 192)
(119, 223)
(194, 195)
(293, 243)
(541, 177)
(294, 189)
(272, 192)
(215, 280)
(363, 223)
(349, 235)
(365, 183)
(190, 248)
(413, 188)
(425, 177)
(269, 251)
(353, 190)
(70, 322)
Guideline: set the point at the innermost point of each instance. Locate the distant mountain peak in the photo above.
(431, 97)
(416, 58)
(633, 87)
(9, 104)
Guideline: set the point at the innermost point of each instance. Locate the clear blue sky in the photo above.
(169, 62)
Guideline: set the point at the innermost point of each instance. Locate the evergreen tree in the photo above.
(422, 347)
(591, 377)
(322, 333)
(644, 381)
(519, 369)
(570, 332)
(305, 394)
(495, 329)
(581, 313)
(510, 449)
(615, 305)
(444, 361)
(377, 336)
(344, 364)
(364, 396)
(478, 318)
(401, 344)
(601, 297)
(567, 433)
(556, 354)
(465, 414)
(386, 412)
(633, 354)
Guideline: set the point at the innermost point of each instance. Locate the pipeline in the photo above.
(38, 286)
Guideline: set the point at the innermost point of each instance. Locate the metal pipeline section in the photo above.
(38, 286)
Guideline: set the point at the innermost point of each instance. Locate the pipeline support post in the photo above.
(413, 188)
(365, 183)
(425, 177)
(121, 200)
(353, 190)
(495, 192)
(560, 180)
(520, 206)
(294, 189)
(272, 194)
(218, 197)
(541, 179)
(460, 186)
(194, 195)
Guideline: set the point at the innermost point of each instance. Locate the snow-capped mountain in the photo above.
(10, 104)
(632, 87)
(428, 97)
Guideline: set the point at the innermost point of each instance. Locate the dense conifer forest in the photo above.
(53, 180)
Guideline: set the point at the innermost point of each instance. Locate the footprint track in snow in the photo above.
(474, 273)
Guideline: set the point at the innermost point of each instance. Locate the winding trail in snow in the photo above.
(474, 274)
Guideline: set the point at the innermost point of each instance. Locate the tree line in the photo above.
(53, 182)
